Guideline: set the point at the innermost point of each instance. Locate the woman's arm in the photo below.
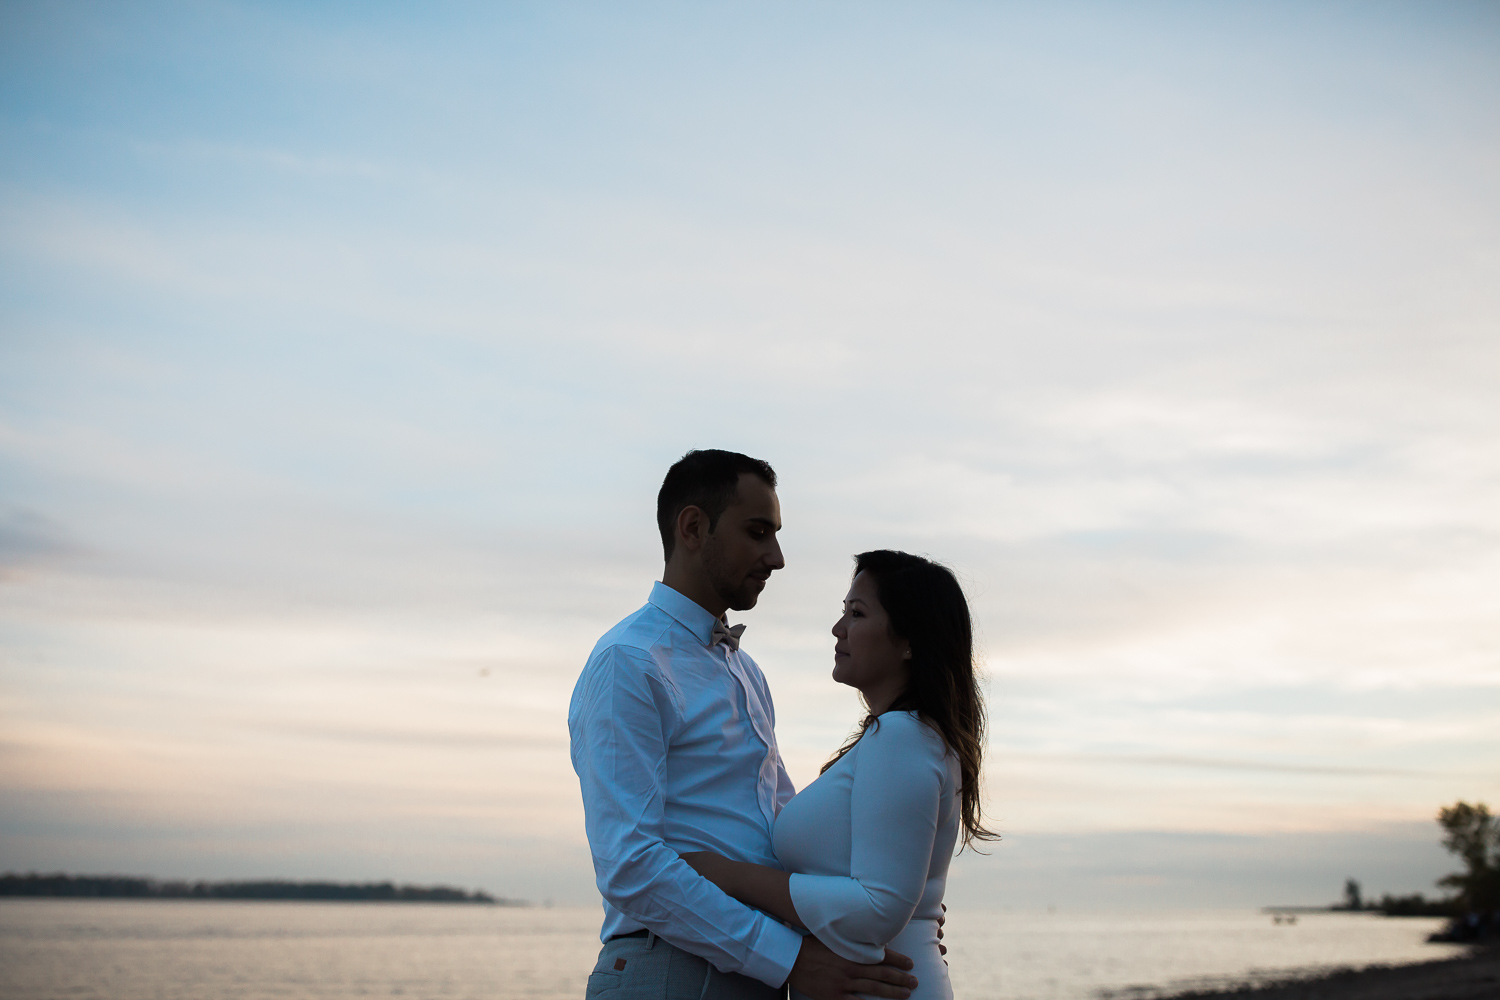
(760, 886)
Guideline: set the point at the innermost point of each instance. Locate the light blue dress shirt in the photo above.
(675, 748)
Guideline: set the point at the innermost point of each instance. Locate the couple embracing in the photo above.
(719, 883)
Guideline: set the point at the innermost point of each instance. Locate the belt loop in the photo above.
(708, 977)
(650, 940)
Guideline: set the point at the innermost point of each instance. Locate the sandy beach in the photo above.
(1474, 977)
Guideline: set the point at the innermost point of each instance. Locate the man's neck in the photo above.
(695, 587)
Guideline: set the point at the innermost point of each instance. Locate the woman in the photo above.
(869, 841)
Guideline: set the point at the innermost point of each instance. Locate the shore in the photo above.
(1473, 977)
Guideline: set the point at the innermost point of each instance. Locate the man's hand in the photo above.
(942, 919)
(822, 975)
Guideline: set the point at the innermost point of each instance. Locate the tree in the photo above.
(1352, 897)
(1472, 833)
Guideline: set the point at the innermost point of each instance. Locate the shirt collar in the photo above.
(687, 611)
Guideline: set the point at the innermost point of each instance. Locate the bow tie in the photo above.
(729, 635)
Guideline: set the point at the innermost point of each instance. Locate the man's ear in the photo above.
(692, 528)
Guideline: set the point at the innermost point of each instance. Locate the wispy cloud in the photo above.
(29, 538)
(279, 160)
(1221, 764)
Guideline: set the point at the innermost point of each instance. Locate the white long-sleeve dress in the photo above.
(869, 842)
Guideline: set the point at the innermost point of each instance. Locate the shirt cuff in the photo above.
(773, 953)
(831, 906)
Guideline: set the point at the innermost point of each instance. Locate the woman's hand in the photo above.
(760, 886)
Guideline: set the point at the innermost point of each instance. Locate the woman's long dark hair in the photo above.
(926, 607)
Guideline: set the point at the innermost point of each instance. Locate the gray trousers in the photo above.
(647, 968)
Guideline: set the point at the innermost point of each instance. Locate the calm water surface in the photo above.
(166, 950)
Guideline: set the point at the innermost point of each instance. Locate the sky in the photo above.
(343, 349)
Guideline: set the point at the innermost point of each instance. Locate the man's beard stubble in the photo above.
(740, 593)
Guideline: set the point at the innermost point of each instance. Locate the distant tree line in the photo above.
(128, 887)
(1415, 905)
(1473, 833)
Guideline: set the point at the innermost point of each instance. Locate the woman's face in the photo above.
(867, 656)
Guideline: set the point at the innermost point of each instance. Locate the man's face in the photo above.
(741, 552)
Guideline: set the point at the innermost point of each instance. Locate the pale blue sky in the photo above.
(343, 350)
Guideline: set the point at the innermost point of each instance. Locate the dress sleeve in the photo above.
(897, 787)
(620, 723)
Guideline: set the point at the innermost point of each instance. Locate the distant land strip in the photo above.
(133, 887)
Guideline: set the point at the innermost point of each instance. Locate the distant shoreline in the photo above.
(62, 886)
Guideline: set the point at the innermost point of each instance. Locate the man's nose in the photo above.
(776, 561)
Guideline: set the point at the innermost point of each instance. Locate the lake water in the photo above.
(202, 950)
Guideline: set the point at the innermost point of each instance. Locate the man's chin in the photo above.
(747, 596)
(743, 602)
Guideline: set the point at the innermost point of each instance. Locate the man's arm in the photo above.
(818, 973)
(620, 724)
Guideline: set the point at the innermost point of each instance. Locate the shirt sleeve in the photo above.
(620, 726)
(894, 802)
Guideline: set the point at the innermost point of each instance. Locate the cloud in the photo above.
(29, 538)
(265, 158)
(1220, 764)
(392, 737)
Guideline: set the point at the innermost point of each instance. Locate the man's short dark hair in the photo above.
(709, 480)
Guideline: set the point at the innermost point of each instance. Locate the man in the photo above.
(673, 740)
